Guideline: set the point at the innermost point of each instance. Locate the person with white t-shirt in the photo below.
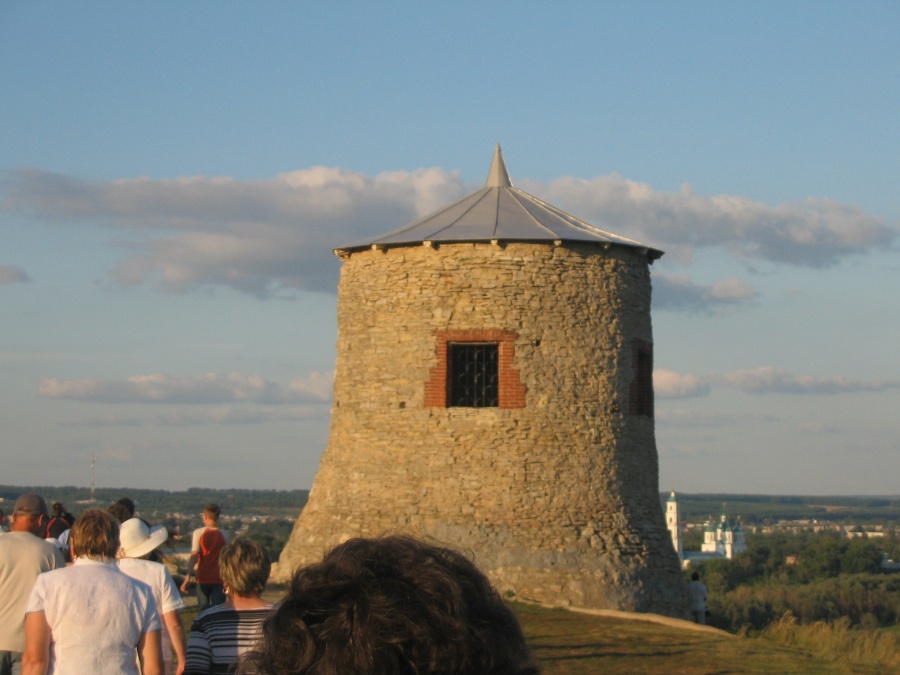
(90, 617)
(139, 540)
(697, 594)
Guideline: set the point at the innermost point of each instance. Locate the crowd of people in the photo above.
(90, 595)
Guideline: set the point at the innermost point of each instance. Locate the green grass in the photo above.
(837, 641)
(570, 642)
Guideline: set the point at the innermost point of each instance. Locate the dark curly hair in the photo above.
(122, 510)
(391, 606)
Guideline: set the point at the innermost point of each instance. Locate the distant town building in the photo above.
(722, 539)
(725, 539)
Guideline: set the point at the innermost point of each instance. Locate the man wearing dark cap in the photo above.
(23, 556)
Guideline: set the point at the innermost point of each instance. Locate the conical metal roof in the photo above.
(499, 212)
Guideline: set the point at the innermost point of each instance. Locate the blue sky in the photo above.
(173, 177)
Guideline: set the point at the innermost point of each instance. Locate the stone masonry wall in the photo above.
(557, 499)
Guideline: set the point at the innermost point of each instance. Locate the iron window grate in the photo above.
(473, 375)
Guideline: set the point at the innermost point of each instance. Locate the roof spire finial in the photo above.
(497, 176)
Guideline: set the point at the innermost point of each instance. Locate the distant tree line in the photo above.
(190, 501)
(817, 577)
(769, 509)
(272, 535)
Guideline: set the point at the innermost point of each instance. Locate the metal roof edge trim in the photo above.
(652, 253)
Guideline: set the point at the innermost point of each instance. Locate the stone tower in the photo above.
(493, 390)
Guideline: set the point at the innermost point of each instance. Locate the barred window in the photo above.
(472, 375)
(482, 374)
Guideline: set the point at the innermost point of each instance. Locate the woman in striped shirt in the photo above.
(220, 634)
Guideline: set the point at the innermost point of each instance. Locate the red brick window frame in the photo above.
(511, 390)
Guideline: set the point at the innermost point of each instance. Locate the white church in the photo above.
(722, 539)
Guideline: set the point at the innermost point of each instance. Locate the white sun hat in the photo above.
(137, 539)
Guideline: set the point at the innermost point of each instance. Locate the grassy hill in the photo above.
(571, 642)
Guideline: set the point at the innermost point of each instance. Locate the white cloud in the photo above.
(118, 455)
(692, 418)
(818, 428)
(732, 289)
(320, 195)
(263, 236)
(768, 380)
(24, 357)
(315, 386)
(254, 236)
(669, 384)
(211, 388)
(207, 416)
(814, 232)
(679, 293)
(11, 274)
